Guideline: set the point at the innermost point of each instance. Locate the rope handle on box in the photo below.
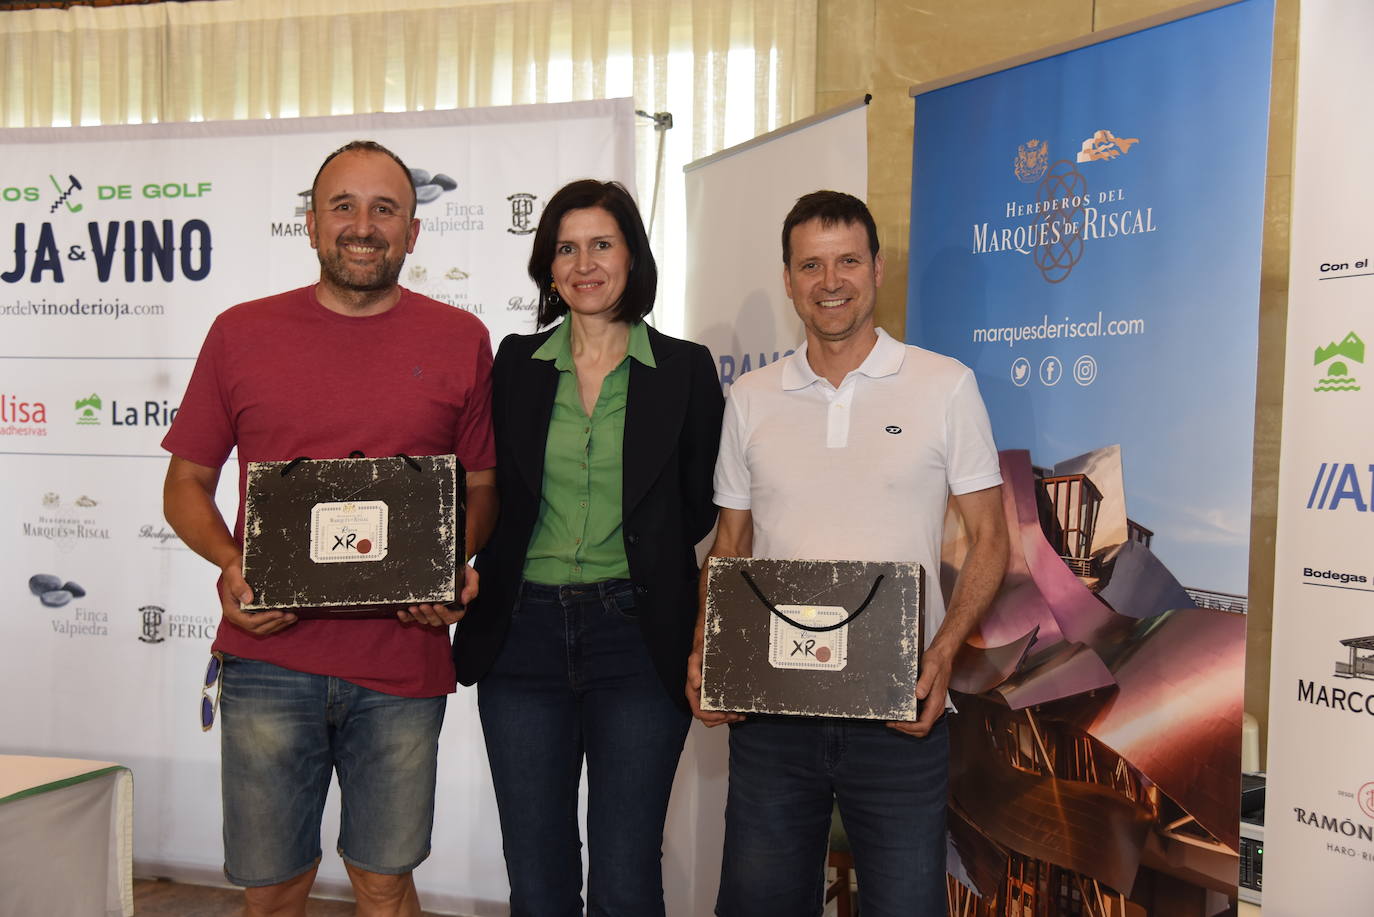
(797, 624)
(356, 453)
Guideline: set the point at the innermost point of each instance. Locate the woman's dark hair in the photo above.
(642, 284)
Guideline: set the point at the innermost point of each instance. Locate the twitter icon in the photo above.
(1020, 371)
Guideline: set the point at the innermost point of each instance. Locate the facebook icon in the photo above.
(1050, 370)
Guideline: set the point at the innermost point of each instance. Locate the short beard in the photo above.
(360, 280)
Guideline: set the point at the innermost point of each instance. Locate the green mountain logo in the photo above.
(1337, 376)
(86, 410)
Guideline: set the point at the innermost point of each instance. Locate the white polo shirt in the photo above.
(862, 472)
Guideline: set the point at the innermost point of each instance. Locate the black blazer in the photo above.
(672, 431)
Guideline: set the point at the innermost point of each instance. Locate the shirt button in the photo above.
(577, 541)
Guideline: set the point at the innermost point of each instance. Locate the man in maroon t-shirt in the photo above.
(352, 362)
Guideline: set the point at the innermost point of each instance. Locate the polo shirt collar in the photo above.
(885, 359)
(558, 347)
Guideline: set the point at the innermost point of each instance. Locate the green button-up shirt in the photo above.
(577, 536)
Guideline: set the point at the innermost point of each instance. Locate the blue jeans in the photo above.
(283, 733)
(575, 679)
(785, 775)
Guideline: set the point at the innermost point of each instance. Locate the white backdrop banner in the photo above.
(736, 306)
(736, 201)
(1319, 812)
(118, 246)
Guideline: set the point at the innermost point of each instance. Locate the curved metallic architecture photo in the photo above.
(1096, 751)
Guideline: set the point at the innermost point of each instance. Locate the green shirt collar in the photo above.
(558, 347)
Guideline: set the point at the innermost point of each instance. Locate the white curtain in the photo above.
(727, 70)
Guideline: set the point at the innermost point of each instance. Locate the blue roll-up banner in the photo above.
(1085, 234)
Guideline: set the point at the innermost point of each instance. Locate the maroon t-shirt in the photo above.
(284, 377)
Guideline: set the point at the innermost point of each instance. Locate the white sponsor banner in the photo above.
(736, 306)
(118, 246)
(1319, 813)
(736, 202)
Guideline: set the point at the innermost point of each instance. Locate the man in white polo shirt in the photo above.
(849, 449)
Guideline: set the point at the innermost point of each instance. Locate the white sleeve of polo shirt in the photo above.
(971, 462)
(731, 482)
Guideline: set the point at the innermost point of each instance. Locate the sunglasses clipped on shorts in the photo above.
(214, 680)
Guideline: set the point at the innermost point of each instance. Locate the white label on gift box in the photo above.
(796, 648)
(348, 533)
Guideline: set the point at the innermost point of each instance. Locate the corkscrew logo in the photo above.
(63, 195)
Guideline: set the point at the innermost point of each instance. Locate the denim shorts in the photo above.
(283, 733)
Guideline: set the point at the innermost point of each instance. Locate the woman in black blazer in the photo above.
(606, 437)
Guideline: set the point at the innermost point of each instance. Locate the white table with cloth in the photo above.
(66, 837)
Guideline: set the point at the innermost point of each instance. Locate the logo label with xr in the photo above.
(342, 533)
(792, 647)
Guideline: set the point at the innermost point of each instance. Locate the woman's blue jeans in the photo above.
(575, 680)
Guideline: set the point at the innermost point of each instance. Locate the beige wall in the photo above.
(885, 47)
